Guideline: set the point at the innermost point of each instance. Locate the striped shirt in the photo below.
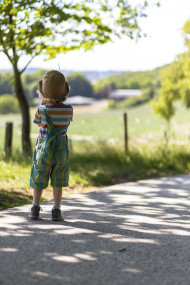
(61, 116)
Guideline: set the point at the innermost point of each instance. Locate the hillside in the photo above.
(130, 80)
(147, 81)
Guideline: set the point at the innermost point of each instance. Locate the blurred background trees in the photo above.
(80, 85)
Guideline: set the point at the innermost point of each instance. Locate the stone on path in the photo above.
(130, 234)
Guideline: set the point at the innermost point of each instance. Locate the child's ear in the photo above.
(44, 101)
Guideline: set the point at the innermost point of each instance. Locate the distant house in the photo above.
(122, 94)
(79, 100)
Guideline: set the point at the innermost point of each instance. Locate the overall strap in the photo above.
(48, 118)
(52, 131)
(53, 136)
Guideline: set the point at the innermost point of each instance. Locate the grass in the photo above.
(94, 166)
(105, 165)
(142, 123)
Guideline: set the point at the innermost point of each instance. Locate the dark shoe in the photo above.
(56, 215)
(34, 212)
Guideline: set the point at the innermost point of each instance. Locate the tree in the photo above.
(164, 107)
(80, 85)
(169, 93)
(49, 27)
(175, 82)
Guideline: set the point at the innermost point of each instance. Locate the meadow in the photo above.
(102, 125)
(98, 162)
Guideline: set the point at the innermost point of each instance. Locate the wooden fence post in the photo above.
(125, 132)
(8, 138)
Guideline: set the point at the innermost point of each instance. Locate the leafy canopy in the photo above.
(33, 27)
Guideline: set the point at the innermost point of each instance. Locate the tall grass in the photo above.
(94, 165)
(102, 164)
(105, 164)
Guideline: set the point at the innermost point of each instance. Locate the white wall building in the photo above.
(122, 94)
(80, 100)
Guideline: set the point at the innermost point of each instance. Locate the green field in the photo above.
(142, 124)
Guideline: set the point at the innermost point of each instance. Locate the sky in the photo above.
(164, 28)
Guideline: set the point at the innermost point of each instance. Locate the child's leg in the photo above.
(57, 194)
(36, 197)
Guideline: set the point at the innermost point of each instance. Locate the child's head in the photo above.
(53, 88)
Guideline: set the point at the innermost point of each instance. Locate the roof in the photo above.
(79, 100)
(124, 93)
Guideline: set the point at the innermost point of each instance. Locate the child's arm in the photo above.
(37, 118)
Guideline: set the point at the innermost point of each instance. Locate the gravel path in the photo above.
(129, 234)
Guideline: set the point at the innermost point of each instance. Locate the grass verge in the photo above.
(93, 166)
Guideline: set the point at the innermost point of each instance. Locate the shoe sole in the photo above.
(34, 218)
(57, 219)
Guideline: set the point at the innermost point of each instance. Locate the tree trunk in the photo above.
(24, 107)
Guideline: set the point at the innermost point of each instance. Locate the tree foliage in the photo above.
(168, 92)
(175, 85)
(175, 82)
(8, 104)
(34, 27)
(80, 85)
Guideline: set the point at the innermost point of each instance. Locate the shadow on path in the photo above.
(133, 233)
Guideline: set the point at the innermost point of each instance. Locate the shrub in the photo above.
(8, 104)
(112, 104)
(134, 101)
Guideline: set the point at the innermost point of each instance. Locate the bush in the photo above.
(8, 104)
(134, 101)
(112, 104)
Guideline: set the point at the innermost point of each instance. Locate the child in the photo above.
(50, 159)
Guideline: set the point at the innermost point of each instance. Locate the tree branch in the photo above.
(5, 50)
(6, 53)
(27, 64)
(36, 54)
